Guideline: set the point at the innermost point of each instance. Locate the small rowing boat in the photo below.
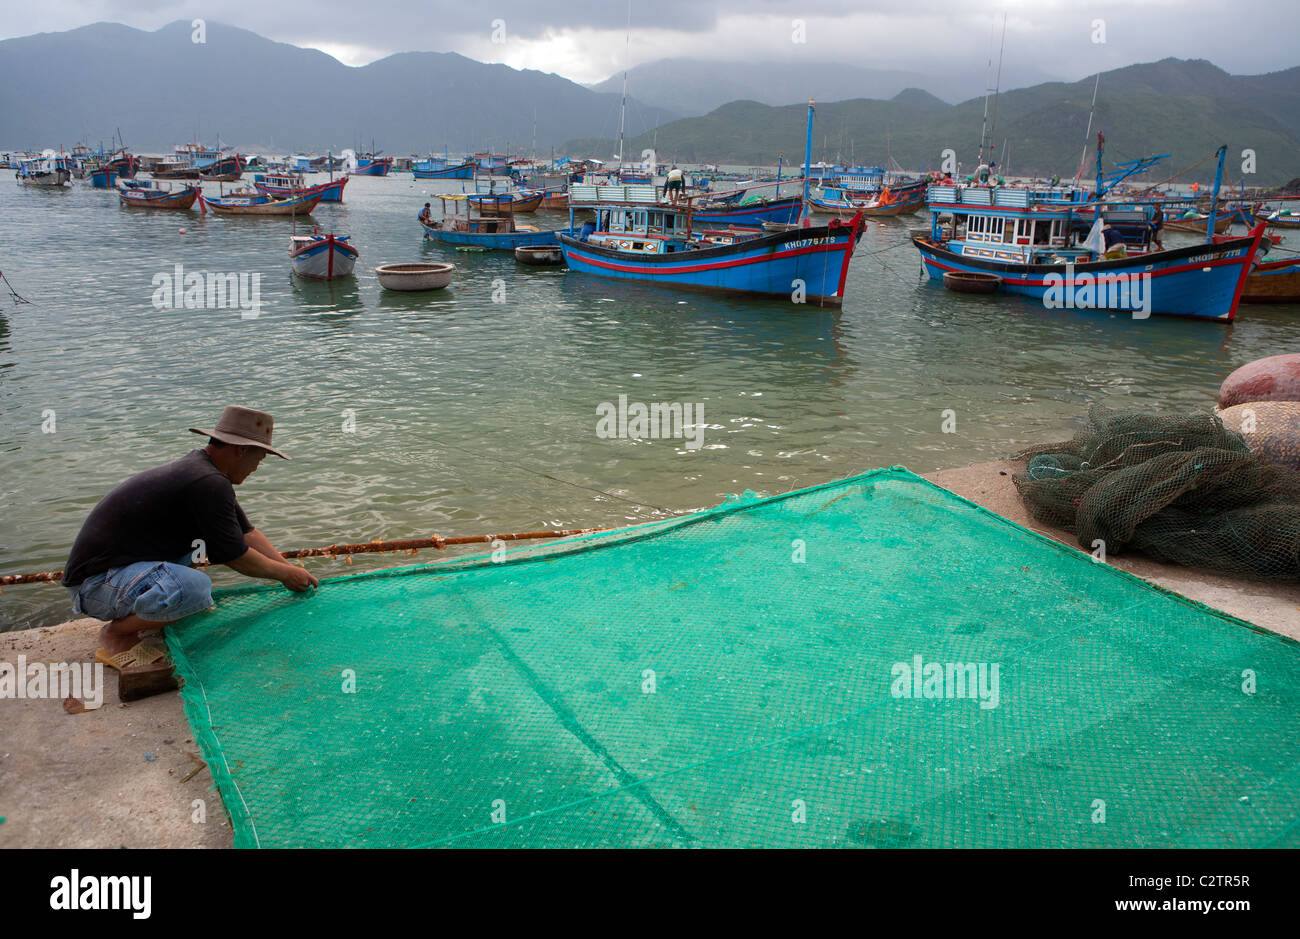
(323, 257)
(252, 202)
(148, 194)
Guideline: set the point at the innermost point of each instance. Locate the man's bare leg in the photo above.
(123, 634)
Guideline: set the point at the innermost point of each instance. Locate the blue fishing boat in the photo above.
(751, 213)
(281, 185)
(442, 168)
(473, 229)
(640, 236)
(322, 257)
(372, 164)
(1045, 243)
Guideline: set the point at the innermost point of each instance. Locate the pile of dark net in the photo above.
(1183, 490)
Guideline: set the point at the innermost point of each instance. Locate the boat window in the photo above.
(1040, 233)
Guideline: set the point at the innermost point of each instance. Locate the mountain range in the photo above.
(692, 87)
(162, 89)
(1184, 108)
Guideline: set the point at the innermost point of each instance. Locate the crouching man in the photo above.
(130, 563)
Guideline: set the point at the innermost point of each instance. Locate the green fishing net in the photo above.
(872, 663)
(1183, 490)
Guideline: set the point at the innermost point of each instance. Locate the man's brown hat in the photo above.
(243, 427)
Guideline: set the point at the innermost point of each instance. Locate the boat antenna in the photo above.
(622, 111)
(1087, 134)
(984, 128)
(997, 85)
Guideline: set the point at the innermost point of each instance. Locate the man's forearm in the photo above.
(253, 563)
(261, 544)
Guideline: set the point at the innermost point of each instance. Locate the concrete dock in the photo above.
(115, 776)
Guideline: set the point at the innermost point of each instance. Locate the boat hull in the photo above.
(242, 205)
(772, 265)
(783, 211)
(376, 168)
(496, 207)
(465, 171)
(144, 199)
(1201, 281)
(56, 179)
(1273, 282)
(103, 178)
(327, 258)
(329, 192)
(502, 242)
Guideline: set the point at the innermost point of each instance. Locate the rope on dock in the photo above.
(365, 547)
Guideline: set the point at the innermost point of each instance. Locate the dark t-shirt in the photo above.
(157, 515)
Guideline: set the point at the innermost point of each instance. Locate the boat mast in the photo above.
(1087, 134)
(997, 85)
(1214, 198)
(622, 111)
(804, 214)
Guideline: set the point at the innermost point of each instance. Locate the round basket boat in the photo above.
(414, 276)
(539, 254)
(969, 282)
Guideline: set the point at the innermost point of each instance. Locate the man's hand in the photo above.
(298, 579)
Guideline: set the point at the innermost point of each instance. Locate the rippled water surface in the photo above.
(461, 402)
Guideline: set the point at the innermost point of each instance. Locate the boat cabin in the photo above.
(637, 218)
(1029, 225)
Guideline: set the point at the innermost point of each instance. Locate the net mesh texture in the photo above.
(1183, 490)
(761, 674)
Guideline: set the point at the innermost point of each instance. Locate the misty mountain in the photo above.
(693, 87)
(1185, 108)
(162, 89)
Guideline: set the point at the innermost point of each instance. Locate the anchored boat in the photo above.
(49, 171)
(477, 229)
(252, 202)
(148, 194)
(1044, 243)
(639, 236)
(283, 185)
(441, 168)
(323, 257)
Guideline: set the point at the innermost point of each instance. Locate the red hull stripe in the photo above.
(694, 268)
(1025, 282)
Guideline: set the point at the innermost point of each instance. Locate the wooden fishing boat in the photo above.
(888, 201)
(282, 185)
(227, 168)
(371, 164)
(422, 276)
(1196, 225)
(48, 171)
(475, 229)
(102, 177)
(1031, 238)
(147, 194)
(1273, 282)
(971, 282)
(323, 257)
(751, 214)
(555, 200)
(441, 168)
(1284, 218)
(539, 254)
(509, 203)
(638, 236)
(252, 202)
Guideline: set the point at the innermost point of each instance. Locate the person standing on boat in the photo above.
(130, 563)
(1157, 224)
(675, 184)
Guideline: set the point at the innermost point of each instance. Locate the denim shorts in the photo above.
(157, 591)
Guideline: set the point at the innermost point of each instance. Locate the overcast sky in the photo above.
(587, 40)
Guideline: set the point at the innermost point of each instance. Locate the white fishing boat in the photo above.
(49, 170)
(323, 257)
